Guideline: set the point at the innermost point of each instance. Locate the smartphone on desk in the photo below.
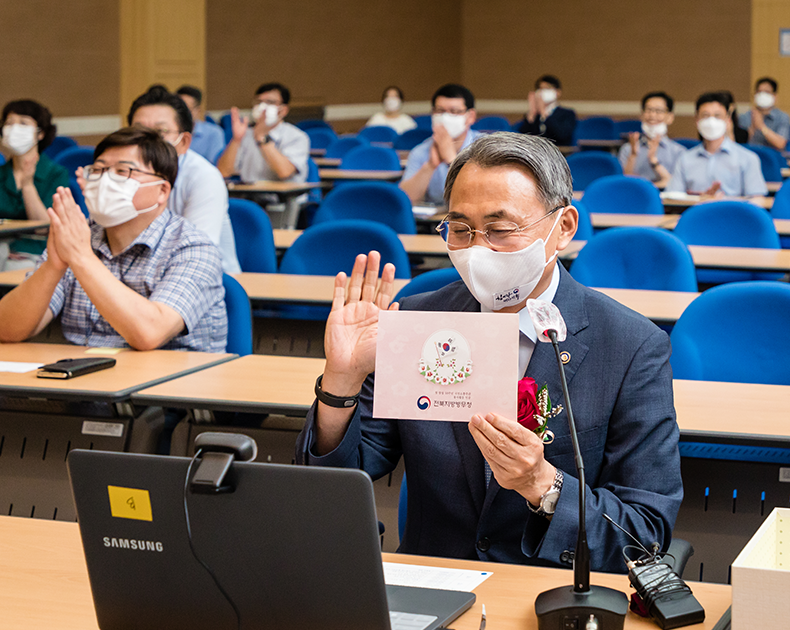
(71, 368)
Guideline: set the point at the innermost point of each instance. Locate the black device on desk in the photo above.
(269, 546)
(71, 368)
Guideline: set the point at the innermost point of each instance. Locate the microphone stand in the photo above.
(581, 606)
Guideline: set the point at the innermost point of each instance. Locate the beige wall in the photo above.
(769, 16)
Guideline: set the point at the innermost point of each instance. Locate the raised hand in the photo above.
(633, 140)
(68, 229)
(238, 123)
(444, 143)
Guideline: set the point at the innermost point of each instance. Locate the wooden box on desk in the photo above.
(761, 576)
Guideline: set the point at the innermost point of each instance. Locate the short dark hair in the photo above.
(285, 93)
(454, 90)
(667, 99)
(154, 151)
(392, 87)
(191, 90)
(159, 95)
(535, 154)
(769, 81)
(37, 112)
(723, 98)
(550, 79)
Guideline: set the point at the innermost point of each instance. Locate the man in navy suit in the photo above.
(545, 116)
(491, 490)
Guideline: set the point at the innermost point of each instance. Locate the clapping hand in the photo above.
(238, 123)
(68, 230)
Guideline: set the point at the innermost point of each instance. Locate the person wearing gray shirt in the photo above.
(767, 125)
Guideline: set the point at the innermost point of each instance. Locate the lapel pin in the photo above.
(565, 357)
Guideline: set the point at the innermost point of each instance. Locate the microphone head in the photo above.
(546, 316)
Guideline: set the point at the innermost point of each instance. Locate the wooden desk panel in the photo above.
(606, 220)
(275, 187)
(9, 227)
(693, 200)
(658, 306)
(279, 287)
(333, 174)
(748, 258)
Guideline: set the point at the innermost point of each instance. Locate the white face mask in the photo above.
(110, 202)
(548, 95)
(270, 113)
(764, 100)
(711, 128)
(177, 140)
(392, 104)
(654, 131)
(19, 139)
(454, 123)
(502, 279)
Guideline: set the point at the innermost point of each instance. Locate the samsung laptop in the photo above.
(292, 547)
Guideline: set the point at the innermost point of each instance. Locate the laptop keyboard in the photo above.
(410, 621)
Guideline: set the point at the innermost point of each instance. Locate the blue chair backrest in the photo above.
(320, 137)
(227, 127)
(587, 166)
(252, 230)
(781, 207)
(72, 159)
(429, 281)
(636, 258)
(716, 337)
(59, 144)
(595, 128)
(423, 121)
(584, 229)
(688, 142)
(379, 133)
(623, 194)
(371, 159)
(312, 123)
(627, 126)
(382, 202)
(411, 138)
(313, 177)
(76, 192)
(492, 123)
(329, 248)
(2, 159)
(237, 305)
(771, 161)
(210, 119)
(343, 145)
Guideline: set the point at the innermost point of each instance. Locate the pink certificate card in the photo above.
(446, 366)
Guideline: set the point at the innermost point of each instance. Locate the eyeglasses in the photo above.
(119, 172)
(454, 112)
(504, 234)
(655, 110)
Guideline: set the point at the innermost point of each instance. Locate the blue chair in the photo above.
(771, 161)
(239, 312)
(636, 258)
(781, 209)
(622, 127)
(76, 192)
(623, 194)
(595, 128)
(2, 159)
(379, 133)
(492, 123)
(343, 145)
(313, 123)
(688, 142)
(424, 121)
(72, 159)
(252, 230)
(210, 119)
(411, 138)
(227, 127)
(59, 144)
(320, 137)
(587, 166)
(728, 224)
(429, 281)
(367, 158)
(313, 177)
(584, 229)
(716, 338)
(382, 202)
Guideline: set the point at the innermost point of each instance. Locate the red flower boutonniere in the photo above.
(534, 408)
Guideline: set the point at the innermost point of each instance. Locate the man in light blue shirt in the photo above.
(652, 154)
(453, 113)
(717, 167)
(767, 125)
(208, 139)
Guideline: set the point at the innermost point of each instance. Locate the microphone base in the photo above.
(564, 608)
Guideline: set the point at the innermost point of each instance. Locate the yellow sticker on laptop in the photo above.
(131, 503)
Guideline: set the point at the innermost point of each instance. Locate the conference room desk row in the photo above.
(12, 227)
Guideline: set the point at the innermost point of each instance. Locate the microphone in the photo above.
(581, 605)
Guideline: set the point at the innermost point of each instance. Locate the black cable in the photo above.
(192, 547)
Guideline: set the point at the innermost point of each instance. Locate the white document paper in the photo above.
(18, 367)
(396, 574)
(425, 211)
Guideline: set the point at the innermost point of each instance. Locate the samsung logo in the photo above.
(136, 545)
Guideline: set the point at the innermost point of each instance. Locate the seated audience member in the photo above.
(200, 194)
(492, 490)
(652, 154)
(29, 178)
(718, 166)
(138, 275)
(545, 116)
(767, 124)
(453, 114)
(208, 139)
(271, 148)
(392, 100)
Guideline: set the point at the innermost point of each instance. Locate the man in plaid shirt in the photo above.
(137, 275)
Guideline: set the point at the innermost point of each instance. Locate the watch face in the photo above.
(549, 501)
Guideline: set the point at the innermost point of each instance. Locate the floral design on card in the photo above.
(446, 358)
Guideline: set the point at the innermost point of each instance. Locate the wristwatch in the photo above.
(549, 499)
(655, 164)
(265, 140)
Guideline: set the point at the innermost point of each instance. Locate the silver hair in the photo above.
(540, 157)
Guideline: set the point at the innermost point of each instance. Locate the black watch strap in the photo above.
(340, 402)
